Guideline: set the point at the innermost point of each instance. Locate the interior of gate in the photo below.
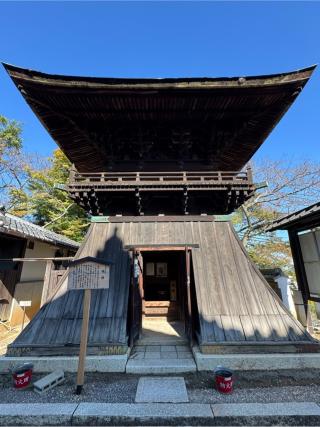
(163, 279)
(166, 293)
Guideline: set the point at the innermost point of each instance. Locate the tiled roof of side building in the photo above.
(304, 218)
(10, 224)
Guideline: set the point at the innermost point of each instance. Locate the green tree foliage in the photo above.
(274, 252)
(43, 200)
(12, 161)
(10, 136)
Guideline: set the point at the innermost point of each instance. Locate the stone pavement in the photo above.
(161, 390)
(159, 330)
(297, 413)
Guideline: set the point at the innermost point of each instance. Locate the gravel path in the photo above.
(255, 386)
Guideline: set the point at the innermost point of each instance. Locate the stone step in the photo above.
(158, 303)
(162, 341)
(160, 366)
(158, 310)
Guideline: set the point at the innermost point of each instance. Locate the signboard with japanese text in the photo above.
(25, 303)
(88, 275)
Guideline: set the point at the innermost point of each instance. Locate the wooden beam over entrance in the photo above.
(162, 247)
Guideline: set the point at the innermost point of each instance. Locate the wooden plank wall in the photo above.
(235, 303)
(8, 281)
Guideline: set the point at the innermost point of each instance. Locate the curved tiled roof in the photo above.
(206, 123)
(304, 218)
(10, 224)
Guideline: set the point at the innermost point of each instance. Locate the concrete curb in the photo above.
(291, 413)
(37, 414)
(266, 362)
(142, 414)
(114, 363)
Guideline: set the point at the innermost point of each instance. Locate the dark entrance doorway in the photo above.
(163, 280)
(161, 304)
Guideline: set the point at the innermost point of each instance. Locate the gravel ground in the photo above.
(98, 388)
(254, 386)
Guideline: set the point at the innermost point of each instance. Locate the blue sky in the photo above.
(163, 39)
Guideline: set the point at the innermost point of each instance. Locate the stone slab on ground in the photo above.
(142, 414)
(160, 366)
(36, 414)
(161, 390)
(248, 362)
(112, 363)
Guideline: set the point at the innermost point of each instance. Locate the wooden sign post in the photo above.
(86, 274)
(83, 340)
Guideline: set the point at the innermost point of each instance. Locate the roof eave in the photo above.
(198, 83)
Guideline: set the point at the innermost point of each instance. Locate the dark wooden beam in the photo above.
(299, 268)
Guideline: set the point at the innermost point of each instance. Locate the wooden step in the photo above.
(157, 310)
(158, 303)
(168, 309)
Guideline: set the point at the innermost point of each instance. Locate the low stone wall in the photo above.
(112, 363)
(246, 362)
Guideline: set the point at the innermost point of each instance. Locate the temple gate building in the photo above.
(159, 164)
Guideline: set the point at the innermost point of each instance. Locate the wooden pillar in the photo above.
(132, 300)
(300, 271)
(46, 282)
(189, 302)
(249, 174)
(84, 340)
(141, 290)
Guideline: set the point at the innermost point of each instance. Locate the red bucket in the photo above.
(22, 375)
(224, 381)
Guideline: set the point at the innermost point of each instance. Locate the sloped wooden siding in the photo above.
(235, 303)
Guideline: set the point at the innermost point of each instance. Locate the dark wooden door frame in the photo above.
(189, 324)
(135, 252)
(135, 291)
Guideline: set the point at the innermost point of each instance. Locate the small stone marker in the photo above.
(49, 381)
(161, 390)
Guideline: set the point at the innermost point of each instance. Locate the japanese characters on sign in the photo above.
(89, 275)
(23, 380)
(25, 303)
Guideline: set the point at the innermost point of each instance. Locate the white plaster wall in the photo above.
(34, 271)
(31, 282)
(286, 294)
